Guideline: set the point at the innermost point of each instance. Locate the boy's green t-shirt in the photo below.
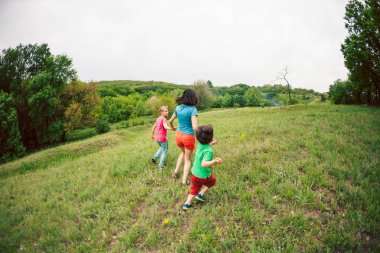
(204, 153)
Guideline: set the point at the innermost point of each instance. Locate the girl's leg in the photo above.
(180, 160)
(187, 167)
(164, 148)
(158, 153)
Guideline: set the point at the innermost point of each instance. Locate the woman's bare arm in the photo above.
(167, 127)
(171, 121)
(194, 122)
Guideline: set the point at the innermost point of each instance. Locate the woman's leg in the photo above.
(180, 160)
(164, 148)
(187, 167)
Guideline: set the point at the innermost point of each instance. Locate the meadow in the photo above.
(303, 178)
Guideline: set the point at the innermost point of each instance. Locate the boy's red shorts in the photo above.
(196, 183)
(186, 141)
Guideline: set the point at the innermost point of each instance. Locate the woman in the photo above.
(185, 135)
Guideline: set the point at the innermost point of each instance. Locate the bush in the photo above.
(323, 97)
(102, 125)
(10, 139)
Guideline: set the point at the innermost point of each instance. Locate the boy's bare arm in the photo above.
(206, 164)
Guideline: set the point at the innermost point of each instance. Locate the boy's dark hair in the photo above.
(204, 134)
(189, 97)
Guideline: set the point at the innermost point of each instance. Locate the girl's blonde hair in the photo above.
(163, 107)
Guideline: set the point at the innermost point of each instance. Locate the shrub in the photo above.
(102, 125)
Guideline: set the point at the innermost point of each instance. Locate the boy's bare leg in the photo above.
(189, 199)
(204, 190)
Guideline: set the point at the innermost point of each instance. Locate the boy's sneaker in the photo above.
(200, 197)
(186, 206)
(154, 160)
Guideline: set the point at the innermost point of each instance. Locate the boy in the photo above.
(201, 178)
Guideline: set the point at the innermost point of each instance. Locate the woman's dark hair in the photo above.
(204, 134)
(189, 97)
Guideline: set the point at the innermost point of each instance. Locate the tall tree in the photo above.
(10, 138)
(36, 78)
(361, 49)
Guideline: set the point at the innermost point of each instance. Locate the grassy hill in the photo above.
(298, 178)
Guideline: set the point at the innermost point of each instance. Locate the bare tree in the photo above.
(282, 76)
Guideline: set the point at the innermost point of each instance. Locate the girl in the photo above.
(161, 126)
(187, 124)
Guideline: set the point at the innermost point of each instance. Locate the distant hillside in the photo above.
(268, 95)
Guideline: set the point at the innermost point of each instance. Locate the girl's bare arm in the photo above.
(154, 127)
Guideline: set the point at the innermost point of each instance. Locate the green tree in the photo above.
(44, 91)
(228, 101)
(155, 103)
(36, 78)
(323, 97)
(361, 48)
(252, 97)
(239, 100)
(102, 125)
(218, 102)
(342, 92)
(81, 101)
(205, 97)
(10, 139)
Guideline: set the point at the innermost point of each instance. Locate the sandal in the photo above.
(175, 175)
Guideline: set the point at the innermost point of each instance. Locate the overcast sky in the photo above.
(225, 41)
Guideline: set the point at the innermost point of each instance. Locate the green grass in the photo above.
(297, 178)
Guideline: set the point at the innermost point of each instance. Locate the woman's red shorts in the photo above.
(186, 141)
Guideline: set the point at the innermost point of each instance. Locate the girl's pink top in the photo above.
(160, 130)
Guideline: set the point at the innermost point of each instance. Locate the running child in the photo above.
(161, 129)
(201, 178)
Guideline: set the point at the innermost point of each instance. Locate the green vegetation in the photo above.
(10, 139)
(297, 178)
(50, 102)
(361, 51)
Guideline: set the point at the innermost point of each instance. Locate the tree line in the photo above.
(361, 51)
(41, 99)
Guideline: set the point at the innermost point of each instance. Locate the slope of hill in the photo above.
(298, 178)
